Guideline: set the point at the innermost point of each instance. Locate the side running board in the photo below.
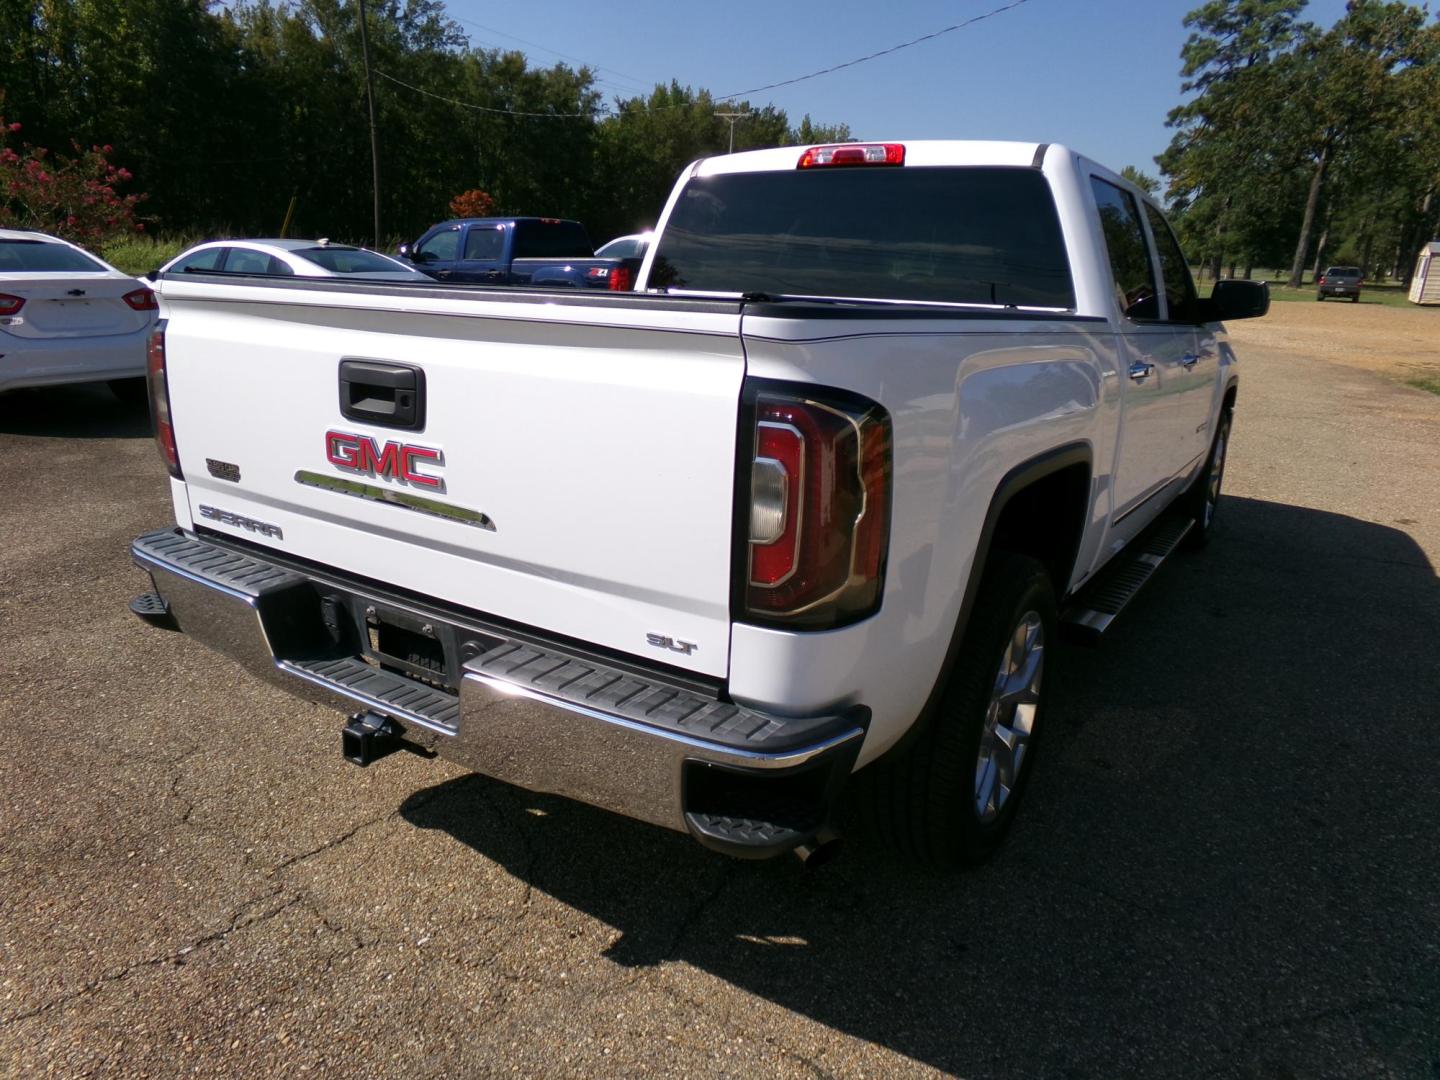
(1099, 603)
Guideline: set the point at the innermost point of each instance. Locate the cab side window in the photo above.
(1180, 295)
(442, 247)
(200, 261)
(1129, 254)
(246, 261)
(484, 243)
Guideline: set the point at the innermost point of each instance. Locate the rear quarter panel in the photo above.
(969, 400)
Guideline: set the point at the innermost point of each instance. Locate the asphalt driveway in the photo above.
(1227, 864)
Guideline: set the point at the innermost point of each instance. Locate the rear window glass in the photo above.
(552, 240)
(1344, 271)
(208, 259)
(40, 257)
(956, 235)
(484, 243)
(1129, 254)
(340, 260)
(247, 261)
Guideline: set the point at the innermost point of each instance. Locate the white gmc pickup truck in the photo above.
(817, 499)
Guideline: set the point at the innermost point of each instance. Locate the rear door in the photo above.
(1149, 454)
(482, 256)
(565, 465)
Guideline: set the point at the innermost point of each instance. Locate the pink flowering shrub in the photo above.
(73, 197)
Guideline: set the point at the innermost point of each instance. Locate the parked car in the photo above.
(1340, 281)
(632, 246)
(298, 258)
(518, 251)
(67, 316)
(819, 497)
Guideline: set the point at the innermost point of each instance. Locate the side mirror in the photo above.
(1236, 299)
(405, 252)
(152, 275)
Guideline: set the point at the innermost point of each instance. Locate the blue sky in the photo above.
(1098, 75)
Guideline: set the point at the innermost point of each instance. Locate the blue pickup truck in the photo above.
(517, 251)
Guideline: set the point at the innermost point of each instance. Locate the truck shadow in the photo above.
(82, 411)
(1226, 861)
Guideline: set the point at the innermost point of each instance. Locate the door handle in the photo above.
(382, 393)
(1140, 369)
(443, 273)
(1189, 360)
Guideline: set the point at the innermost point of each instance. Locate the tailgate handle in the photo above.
(378, 392)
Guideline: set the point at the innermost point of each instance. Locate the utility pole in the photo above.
(374, 132)
(732, 117)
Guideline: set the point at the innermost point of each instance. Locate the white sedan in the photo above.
(68, 317)
(632, 246)
(291, 258)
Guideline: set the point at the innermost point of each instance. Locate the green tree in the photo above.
(1143, 181)
(1349, 75)
(1229, 145)
(812, 134)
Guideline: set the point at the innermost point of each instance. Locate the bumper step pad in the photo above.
(590, 684)
(151, 608)
(384, 691)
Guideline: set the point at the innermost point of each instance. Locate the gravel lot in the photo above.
(1227, 864)
(1403, 342)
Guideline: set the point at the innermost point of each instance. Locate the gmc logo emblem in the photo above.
(390, 460)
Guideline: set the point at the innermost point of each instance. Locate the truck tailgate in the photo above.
(574, 470)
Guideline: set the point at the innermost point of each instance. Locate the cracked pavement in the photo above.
(1226, 865)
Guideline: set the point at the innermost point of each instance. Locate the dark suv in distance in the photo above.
(1340, 281)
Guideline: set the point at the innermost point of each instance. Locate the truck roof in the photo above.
(504, 221)
(917, 152)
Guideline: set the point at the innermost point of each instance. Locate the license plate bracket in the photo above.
(411, 645)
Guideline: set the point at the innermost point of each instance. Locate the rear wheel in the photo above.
(1319, 296)
(950, 795)
(131, 392)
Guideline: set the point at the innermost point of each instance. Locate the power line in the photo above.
(484, 108)
(545, 48)
(725, 97)
(876, 55)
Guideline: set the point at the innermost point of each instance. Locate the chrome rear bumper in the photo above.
(514, 706)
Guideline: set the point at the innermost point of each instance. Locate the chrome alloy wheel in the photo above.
(1217, 473)
(1010, 720)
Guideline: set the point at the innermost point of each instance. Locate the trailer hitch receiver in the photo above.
(368, 737)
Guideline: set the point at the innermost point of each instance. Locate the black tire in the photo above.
(1319, 296)
(133, 393)
(923, 796)
(1355, 299)
(1203, 498)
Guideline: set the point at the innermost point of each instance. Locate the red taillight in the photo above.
(616, 278)
(819, 519)
(11, 305)
(853, 154)
(160, 401)
(1321, 281)
(141, 299)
